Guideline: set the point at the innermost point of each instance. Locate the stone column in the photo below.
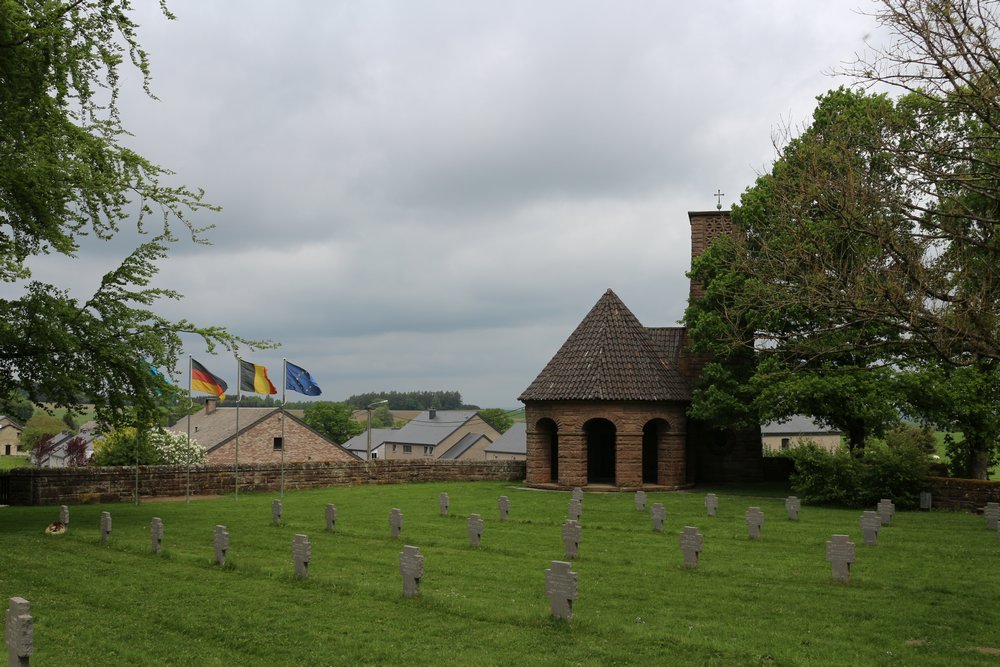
(572, 458)
(672, 458)
(628, 459)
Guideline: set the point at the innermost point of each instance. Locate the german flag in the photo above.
(202, 380)
(253, 378)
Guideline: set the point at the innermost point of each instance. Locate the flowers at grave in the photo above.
(55, 528)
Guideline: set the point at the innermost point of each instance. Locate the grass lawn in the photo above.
(927, 595)
(10, 462)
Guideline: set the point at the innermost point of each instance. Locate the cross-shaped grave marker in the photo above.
(870, 525)
(475, 525)
(886, 509)
(571, 534)
(711, 504)
(156, 534)
(443, 504)
(560, 586)
(276, 509)
(577, 494)
(755, 519)
(640, 500)
(220, 541)
(658, 515)
(301, 554)
(19, 633)
(105, 526)
(395, 522)
(411, 566)
(840, 553)
(331, 517)
(792, 506)
(575, 509)
(691, 544)
(64, 516)
(992, 514)
(503, 504)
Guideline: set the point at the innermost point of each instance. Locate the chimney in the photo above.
(210, 404)
(432, 413)
(705, 226)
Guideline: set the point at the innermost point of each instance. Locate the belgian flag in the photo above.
(202, 380)
(253, 378)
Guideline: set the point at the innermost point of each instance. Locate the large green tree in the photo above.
(65, 173)
(334, 420)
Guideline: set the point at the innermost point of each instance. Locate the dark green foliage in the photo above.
(410, 400)
(17, 406)
(908, 435)
(497, 418)
(126, 447)
(334, 420)
(382, 417)
(40, 425)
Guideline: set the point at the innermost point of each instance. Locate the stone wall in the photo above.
(32, 486)
(963, 494)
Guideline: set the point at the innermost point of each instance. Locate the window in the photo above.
(374, 455)
(7, 450)
(279, 444)
(786, 443)
(394, 448)
(427, 451)
(407, 449)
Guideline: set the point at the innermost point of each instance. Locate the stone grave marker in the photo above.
(712, 504)
(503, 504)
(221, 543)
(156, 534)
(640, 500)
(443, 504)
(755, 519)
(577, 494)
(475, 525)
(886, 509)
(840, 553)
(64, 516)
(571, 534)
(575, 509)
(691, 544)
(301, 554)
(925, 501)
(992, 514)
(276, 509)
(560, 586)
(793, 505)
(19, 632)
(411, 566)
(658, 515)
(870, 524)
(395, 522)
(331, 517)
(105, 526)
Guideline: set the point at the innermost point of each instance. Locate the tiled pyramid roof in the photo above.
(610, 357)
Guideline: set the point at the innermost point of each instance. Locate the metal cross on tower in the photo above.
(719, 194)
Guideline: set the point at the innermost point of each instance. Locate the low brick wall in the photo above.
(28, 486)
(963, 494)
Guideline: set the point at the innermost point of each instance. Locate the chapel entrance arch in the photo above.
(601, 436)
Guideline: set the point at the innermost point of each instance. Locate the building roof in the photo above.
(797, 425)
(611, 357)
(513, 441)
(462, 446)
(359, 443)
(425, 430)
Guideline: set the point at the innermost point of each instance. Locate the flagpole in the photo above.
(239, 398)
(284, 371)
(187, 481)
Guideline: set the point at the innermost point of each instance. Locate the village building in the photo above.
(448, 435)
(512, 445)
(609, 410)
(266, 435)
(796, 430)
(10, 437)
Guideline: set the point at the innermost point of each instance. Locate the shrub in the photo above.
(158, 447)
(826, 478)
(899, 473)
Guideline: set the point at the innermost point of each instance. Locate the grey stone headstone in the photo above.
(640, 500)
(301, 554)
(870, 525)
(571, 534)
(840, 553)
(443, 504)
(475, 525)
(793, 505)
(395, 522)
(658, 515)
(560, 586)
(64, 515)
(711, 504)
(331, 517)
(503, 504)
(19, 632)
(156, 534)
(925, 500)
(691, 544)
(411, 566)
(575, 509)
(886, 509)
(276, 509)
(755, 519)
(992, 514)
(577, 494)
(220, 542)
(105, 526)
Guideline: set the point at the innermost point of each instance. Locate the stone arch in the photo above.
(601, 437)
(548, 431)
(653, 433)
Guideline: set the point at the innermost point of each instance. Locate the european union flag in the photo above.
(298, 379)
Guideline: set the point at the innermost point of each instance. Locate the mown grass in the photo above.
(925, 596)
(11, 462)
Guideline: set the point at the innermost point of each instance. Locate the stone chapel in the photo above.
(609, 410)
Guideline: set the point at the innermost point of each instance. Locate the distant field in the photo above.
(926, 595)
(10, 462)
(81, 413)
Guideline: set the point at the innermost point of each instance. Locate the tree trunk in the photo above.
(856, 434)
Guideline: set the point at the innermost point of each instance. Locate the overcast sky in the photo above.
(431, 195)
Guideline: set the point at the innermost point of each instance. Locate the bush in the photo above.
(825, 478)
(158, 447)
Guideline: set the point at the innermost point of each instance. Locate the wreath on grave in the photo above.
(55, 528)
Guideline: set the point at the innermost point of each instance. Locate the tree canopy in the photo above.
(334, 420)
(65, 174)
